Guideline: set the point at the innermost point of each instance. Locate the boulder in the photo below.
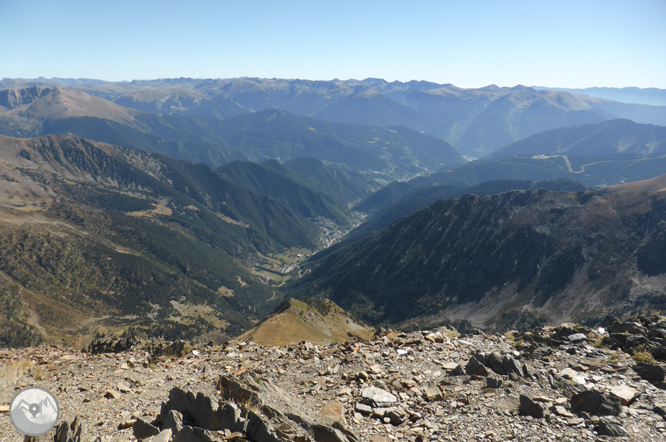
(607, 427)
(378, 397)
(625, 393)
(144, 430)
(396, 415)
(594, 402)
(325, 433)
(650, 372)
(531, 408)
(476, 367)
(493, 382)
(330, 413)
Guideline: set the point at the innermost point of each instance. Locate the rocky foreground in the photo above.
(552, 384)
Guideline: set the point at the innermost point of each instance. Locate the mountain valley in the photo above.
(190, 209)
(520, 257)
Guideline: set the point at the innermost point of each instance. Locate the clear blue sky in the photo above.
(468, 43)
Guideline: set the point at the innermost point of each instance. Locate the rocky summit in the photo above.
(565, 383)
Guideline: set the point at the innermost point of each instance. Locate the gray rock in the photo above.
(144, 430)
(493, 382)
(396, 415)
(433, 394)
(362, 408)
(324, 433)
(660, 409)
(511, 366)
(577, 337)
(164, 436)
(191, 434)
(458, 371)
(173, 421)
(607, 427)
(650, 372)
(476, 367)
(541, 352)
(528, 372)
(378, 397)
(594, 402)
(204, 411)
(495, 363)
(531, 408)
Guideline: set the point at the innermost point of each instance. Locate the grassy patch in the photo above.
(643, 356)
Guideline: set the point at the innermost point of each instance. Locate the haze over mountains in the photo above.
(650, 96)
(475, 121)
(187, 208)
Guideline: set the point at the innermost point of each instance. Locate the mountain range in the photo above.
(475, 121)
(651, 96)
(252, 136)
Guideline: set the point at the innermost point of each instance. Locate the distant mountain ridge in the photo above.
(607, 138)
(651, 96)
(475, 121)
(387, 210)
(253, 136)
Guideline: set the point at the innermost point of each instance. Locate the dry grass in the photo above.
(302, 323)
(643, 356)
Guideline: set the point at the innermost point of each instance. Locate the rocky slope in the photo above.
(550, 384)
(506, 259)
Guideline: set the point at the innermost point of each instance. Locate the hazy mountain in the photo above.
(263, 180)
(607, 138)
(588, 170)
(179, 100)
(256, 136)
(346, 186)
(492, 259)
(283, 135)
(101, 237)
(476, 121)
(599, 170)
(650, 96)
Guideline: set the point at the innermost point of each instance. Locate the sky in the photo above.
(468, 43)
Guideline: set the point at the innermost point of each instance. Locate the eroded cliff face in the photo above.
(14, 98)
(496, 259)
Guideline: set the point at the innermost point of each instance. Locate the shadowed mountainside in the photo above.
(419, 198)
(497, 259)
